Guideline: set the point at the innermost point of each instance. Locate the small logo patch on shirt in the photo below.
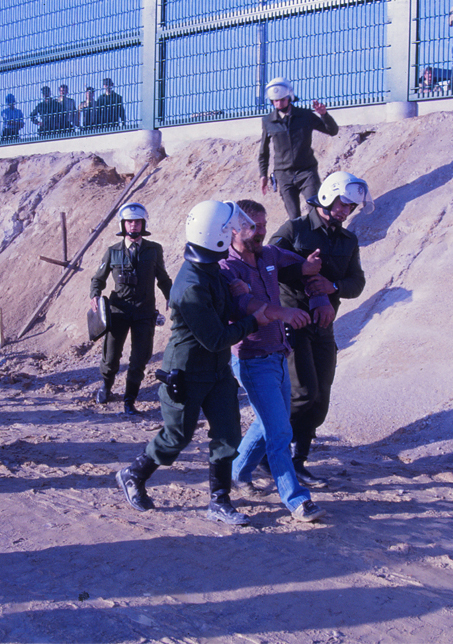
(270, 269)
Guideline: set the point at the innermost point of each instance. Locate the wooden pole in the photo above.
(64, 236)
(73, 264)
(54, 261)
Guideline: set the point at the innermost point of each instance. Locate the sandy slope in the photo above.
(379, 569)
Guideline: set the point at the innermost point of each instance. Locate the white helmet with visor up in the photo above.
(348, 187)
(279, 88)
(131, 211)
(210, 226)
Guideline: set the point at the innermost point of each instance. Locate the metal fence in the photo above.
(433, 37)
(53, 51)
(214, 58)
(157, 63)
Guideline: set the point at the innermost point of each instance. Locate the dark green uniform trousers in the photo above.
(142, 335)
(219, 403)
(293, 184)
(312, 369)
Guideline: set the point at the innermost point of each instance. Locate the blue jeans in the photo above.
(266, 381)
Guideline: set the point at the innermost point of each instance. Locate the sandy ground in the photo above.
(80, 566)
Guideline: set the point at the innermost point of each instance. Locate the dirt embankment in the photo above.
(79, 566)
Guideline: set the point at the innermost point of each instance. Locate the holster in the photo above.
(175, 384)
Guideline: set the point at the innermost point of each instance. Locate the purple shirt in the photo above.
(263, 281)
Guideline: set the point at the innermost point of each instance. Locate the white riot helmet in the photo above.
(209, 228)
(348, 187)
(279, 88)
(132, 211)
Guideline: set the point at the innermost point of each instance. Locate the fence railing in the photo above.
(87, 67)
(214, 63)
(52, 53)
(433, 37)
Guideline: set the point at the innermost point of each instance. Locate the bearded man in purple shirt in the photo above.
(259, 361)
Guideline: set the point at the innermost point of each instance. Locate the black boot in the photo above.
(220, 508)
(132, 481)
(130, 395)
(103, 394)
(299, 456)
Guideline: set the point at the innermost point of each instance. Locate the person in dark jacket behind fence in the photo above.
(312, 363)
(291, 129)
(109, 107)
(195, 368)
(135, 264)
(47, 114)
(69, 117)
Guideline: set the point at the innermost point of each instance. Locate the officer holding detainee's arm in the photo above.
(195, 367)
(313, 360)
(136, 264)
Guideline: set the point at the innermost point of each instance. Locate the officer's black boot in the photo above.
(103, 394)
(132, 481)
(299, 454)
(130, 395)
(220, 508)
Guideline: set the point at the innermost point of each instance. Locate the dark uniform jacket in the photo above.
(339, 254)
(49, 112)
(201, 335)
(292, 139)
(110, 109)
(138, 302)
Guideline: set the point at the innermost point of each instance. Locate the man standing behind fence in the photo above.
(46, 114)
(13, 120)
(69, 114)
(291, 129)
(87, 110)
(109, 107)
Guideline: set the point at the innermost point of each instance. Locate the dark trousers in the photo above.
(312, 370)
(142, 335)
(292, 184)
(219, 403)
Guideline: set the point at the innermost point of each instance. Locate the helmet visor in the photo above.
(238, 220)
(358, 193)
(277, 92)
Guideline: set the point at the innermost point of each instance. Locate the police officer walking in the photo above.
(136, 264)
(291, 129)
(195, 367)
(312, 363)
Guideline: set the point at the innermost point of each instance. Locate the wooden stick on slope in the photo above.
(72, 266)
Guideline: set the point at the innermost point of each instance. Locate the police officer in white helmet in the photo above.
(312, 363)
(291, 128)
(196, 373)
(136, 264)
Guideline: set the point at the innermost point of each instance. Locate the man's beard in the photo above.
(254, 246)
